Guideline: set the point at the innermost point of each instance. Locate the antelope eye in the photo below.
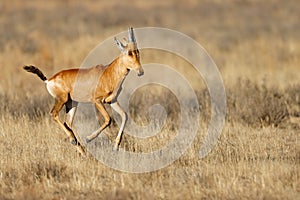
(130, 53)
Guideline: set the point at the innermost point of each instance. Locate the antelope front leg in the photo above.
(99, 105)
(123, 115)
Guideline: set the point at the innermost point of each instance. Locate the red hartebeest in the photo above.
(98, 85)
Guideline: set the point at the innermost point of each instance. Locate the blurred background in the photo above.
(246, 38)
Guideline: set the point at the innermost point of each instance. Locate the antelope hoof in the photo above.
(74, 142)
(116, 147)
(87, 140)
(81, 151)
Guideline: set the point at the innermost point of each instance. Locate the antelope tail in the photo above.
(36, 71)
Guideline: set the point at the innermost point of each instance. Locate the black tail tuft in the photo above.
(36, 71)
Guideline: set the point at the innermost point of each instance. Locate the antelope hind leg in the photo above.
(54, 113)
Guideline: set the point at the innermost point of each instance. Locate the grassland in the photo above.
(256, 46)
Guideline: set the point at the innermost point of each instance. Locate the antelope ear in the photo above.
(120, 45)
(125, 40)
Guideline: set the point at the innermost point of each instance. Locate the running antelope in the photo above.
(98, 85)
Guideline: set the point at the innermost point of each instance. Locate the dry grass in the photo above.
(257, 48)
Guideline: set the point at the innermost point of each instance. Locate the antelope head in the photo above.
(130, 55)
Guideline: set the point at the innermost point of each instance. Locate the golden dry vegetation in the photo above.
(256, 46)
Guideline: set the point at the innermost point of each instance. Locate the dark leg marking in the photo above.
(70, 104)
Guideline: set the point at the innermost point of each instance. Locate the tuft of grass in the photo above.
(257, 105)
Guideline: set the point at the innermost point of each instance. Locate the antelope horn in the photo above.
(131, 37)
